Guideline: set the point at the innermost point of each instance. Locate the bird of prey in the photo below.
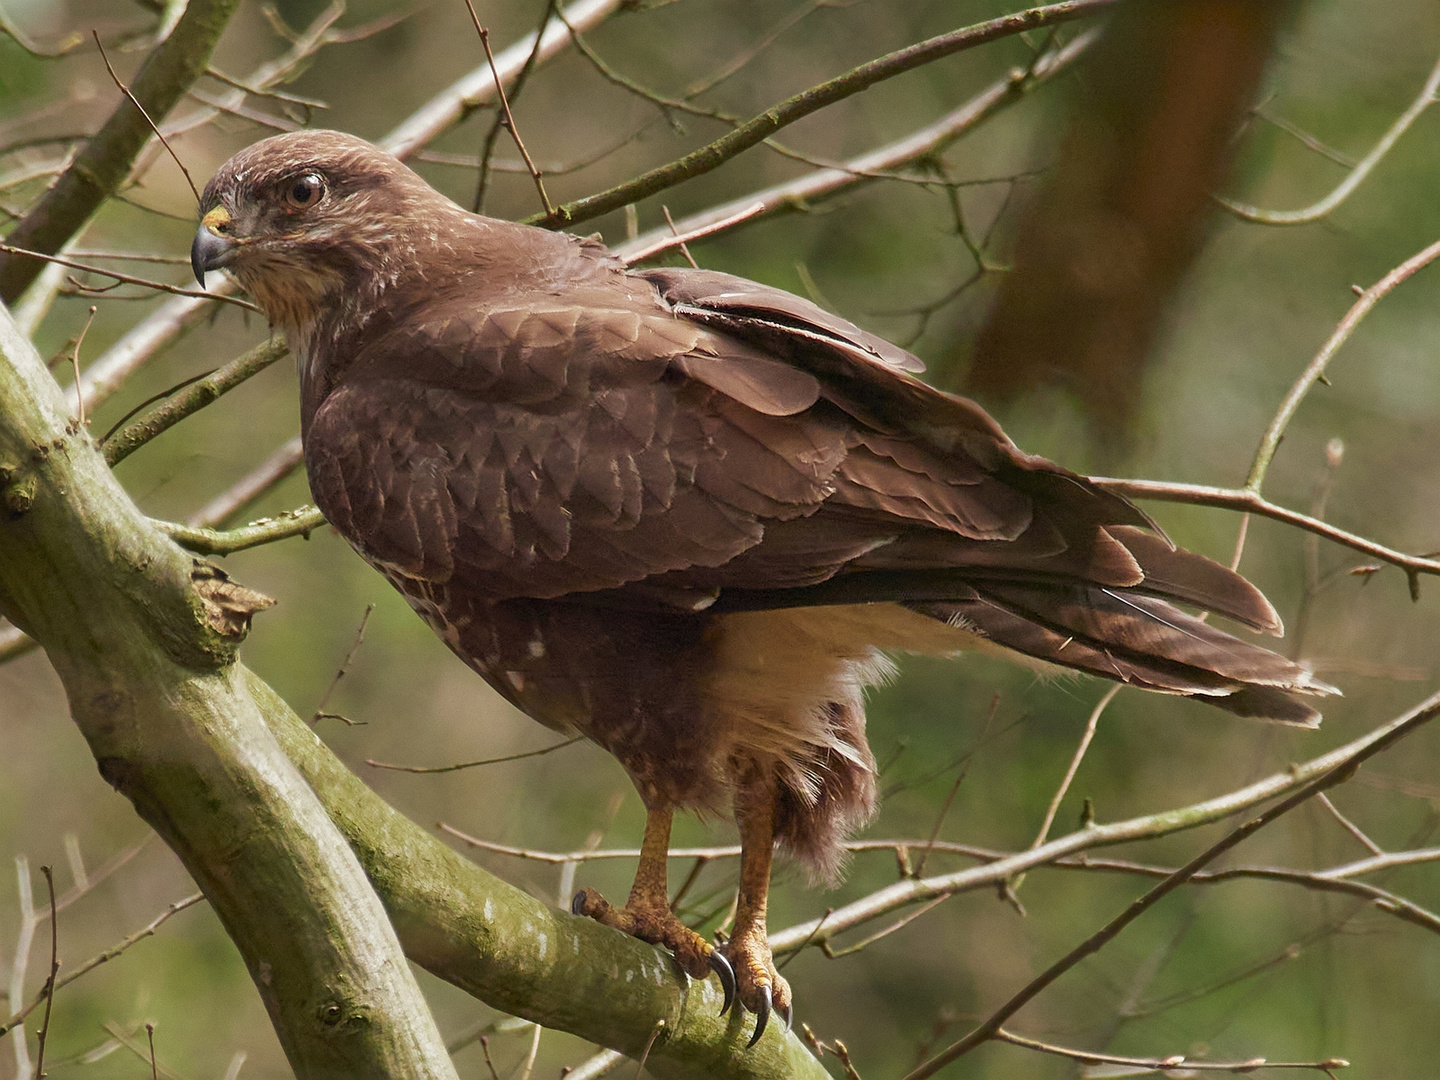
(687, 515)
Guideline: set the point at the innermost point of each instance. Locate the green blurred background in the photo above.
(1230, 971)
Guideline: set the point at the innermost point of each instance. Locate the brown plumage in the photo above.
(684, 514)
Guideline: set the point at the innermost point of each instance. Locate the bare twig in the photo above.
(191, 399)
(105, 161)
(1368, 298)
(270, 472)
(489, 1063)
(1096, 941)
(595, 1066)
(1165, 1064)
(130, 279)
(1356, 176)
(487, 149)
(649, 1044)
(105, 957)
(680, 243)
(806, 191)
(728, 851)
(505, 104)
(1349, 826)
(474, 764)
(343, 668)
(75, 364)
(1090, 725)
(299, 522)
(678, 239)
(1250, 502)
(954, 788)
(1334, 880)
(49, 991)
(991, 873)
(761, 127)
(477, 88)
(136, 102)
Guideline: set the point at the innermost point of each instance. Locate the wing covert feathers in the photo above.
(687, 438)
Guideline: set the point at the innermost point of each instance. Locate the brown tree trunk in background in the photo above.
(1114, 228)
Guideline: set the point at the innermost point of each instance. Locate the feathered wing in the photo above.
(694, 440)
(1056, 568)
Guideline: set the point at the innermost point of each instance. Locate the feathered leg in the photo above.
(758, 985)
(647, 915)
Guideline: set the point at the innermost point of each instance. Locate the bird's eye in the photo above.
(304, 191)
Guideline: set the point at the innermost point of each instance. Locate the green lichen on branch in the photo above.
(191, 399)
(143, 638)
(524, 957)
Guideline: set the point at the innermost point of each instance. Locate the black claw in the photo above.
(577, 905)
(726, 974)
(762, 1016)
(786, 1014)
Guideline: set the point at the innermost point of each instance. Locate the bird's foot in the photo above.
(658, 925)
(758, 986)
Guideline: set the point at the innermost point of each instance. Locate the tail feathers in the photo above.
(1176, 574)
(1136, 639)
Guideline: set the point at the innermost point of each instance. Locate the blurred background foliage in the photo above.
(1233, 971)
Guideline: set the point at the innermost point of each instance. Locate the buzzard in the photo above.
(687, 515)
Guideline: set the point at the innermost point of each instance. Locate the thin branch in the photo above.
(105, 957)
(300, 522)
(136, 102)
(761, 127)
(596, 1065)
(505, 104)
(191, 399)
(986, 1031)
(80, 420)
(1323, 881)
(174, 318)
(1250, 502)
(477, 88)
(677, 239)
(343, 668)
(806, 191)
(1090, 725)
(49, 992)
(960, 775)
(265, 476)
(474, 764)
(129, 279)
(1357, 175)
(1349, 826)
(729, 851)
(1313, 372)
(1165, 1064)
(104, 162)
(906, 892)
(487, 150)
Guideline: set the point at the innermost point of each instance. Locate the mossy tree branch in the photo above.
(143, 637)
(99, 170)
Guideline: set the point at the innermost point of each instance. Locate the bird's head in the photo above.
(304, 219)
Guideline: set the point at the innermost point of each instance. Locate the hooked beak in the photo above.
(211, 250)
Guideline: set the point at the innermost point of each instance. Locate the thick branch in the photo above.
(522, 956)
(103, 165)
(143, 638)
